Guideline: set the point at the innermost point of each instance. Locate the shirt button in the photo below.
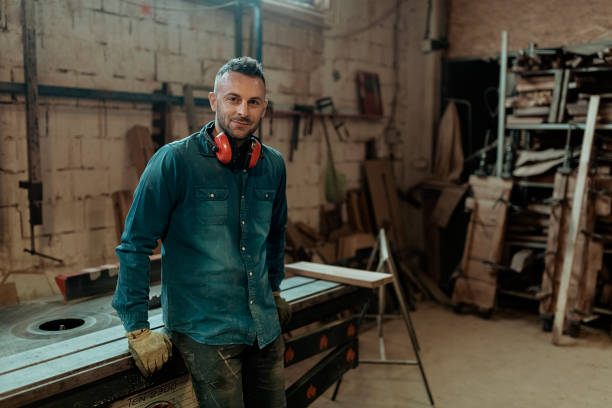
(243, 248)
(251, 302)
(243, 196)
(244, 171)
(212, 195)
(250, 273)
(266, 195)
(242, 222)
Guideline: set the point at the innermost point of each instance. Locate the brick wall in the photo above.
(116, 45)
(475, 26)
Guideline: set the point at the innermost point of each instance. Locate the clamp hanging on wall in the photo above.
(34, 183)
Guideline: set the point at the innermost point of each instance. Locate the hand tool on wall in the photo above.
(295, 136)
(328, 103)
(335, 193)
(295, 133)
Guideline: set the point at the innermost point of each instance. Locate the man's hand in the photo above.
(149, 349)
(284, 310)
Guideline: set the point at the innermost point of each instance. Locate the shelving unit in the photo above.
(562, 85)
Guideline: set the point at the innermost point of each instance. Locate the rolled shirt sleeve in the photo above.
(146, 222)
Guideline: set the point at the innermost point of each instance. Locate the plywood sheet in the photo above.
(484, 242)
(350, 276)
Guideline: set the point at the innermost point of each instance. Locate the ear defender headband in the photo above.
(225, 153)
(228, 153)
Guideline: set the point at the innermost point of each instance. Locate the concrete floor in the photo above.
(506, 361)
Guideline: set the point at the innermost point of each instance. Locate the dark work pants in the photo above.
(235, 375)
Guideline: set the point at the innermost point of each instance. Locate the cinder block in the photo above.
(122, 177)
(279, 57)
(62, 216)
(281, 81)
(353, 152)
(99, 212)
(13, 16)
(12, 48)
(351, 170)
(112, 6)
(91, 183)
(31, 286)
(189, 45)
(10, 219)
(94, 153)
(142, 34)
(11, 193)
(219, 47)
(58, 185)
(13, 155)
(306, 196)
(167, 38)
(111, 29)
(282, 101)
(99, 247)
(12, 121)
(178, 68)
(316, 82)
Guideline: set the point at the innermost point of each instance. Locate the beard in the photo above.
(224, 123)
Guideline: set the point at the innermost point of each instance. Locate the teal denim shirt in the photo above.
(223, 242)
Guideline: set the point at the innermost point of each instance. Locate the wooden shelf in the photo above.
(520, 294)
(555, 126)
(292, 113)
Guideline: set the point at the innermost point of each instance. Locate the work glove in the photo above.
(149, 349)
(284, 310)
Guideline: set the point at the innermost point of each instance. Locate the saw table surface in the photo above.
(36, 363)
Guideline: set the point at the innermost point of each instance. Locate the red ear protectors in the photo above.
(255, 152)
(224, 150)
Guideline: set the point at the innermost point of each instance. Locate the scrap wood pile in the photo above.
(350, 241)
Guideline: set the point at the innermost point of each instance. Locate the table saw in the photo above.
(74, 354)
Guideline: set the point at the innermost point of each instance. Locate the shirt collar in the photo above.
(204, 144)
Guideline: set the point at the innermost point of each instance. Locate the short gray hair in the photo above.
(244, 65)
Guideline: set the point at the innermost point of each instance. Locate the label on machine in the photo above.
(177, 393)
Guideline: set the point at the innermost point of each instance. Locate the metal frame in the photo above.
(385, 260)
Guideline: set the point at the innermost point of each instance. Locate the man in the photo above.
(217, 201)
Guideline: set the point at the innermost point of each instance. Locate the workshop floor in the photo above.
(506, 361)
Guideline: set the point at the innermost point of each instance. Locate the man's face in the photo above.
(239, 104)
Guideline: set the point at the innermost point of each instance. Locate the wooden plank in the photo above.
(563, 98)
(140, 146)
(484, 242)
(349, 244)
(350, 276)
(583, 168)
(446, 204)
(385, 202)
(8, 294)
(122, 200)
(594, 259)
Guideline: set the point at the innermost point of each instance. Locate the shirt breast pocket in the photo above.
(211, 205)
(264, 201)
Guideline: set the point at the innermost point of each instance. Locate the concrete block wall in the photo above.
(119, 45)
(475, 26)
